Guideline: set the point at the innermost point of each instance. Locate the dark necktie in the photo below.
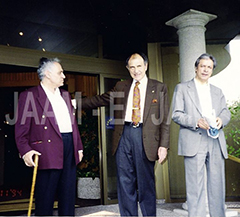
(136, 112)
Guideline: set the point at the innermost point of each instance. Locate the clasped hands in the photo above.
(202, 123)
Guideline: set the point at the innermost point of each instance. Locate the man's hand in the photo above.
(219, 123)
(80, 155)
(162, 154)
(202, 123)
(28, 158)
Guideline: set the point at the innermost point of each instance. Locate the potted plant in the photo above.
(88, 173)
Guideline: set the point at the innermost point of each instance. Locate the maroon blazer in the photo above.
(36, 128)
(156, 121)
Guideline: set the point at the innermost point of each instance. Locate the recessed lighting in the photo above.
(43, 49)
(21, 33)
(39, 39)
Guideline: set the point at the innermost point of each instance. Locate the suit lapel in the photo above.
(214, 97)
(67, 98)
(126, 90)
(47, 109)
(150, 92)
(193, 94)
(42, 98)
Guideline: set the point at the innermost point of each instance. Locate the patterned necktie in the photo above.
(136, 112)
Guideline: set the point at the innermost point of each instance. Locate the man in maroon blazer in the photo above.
(137, 145)
(46, 126)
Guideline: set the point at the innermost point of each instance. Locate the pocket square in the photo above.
(154, 100)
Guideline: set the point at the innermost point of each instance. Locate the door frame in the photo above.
(103, 141)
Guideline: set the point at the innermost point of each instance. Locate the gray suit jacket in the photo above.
(155, 118)
(187, 111)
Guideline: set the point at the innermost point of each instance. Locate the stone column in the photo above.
(191, 32)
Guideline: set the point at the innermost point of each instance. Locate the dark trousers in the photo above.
(60, 182)
(135, 175)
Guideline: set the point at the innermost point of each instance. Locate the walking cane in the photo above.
(33, 184)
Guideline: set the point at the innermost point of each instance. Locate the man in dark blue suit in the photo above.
(137, 145)
(46, 126)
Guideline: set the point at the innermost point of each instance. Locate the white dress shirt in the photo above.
(205, 99)
(60, 110)
(143, 88)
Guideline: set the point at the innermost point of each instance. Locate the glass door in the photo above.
(109, 176)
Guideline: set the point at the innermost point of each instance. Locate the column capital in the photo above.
(191, 18)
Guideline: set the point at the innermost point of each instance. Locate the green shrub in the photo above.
(232, 130)
(89, 166)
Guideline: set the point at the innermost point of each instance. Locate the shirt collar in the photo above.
(199, 84)
(143, 80)
(57, 91)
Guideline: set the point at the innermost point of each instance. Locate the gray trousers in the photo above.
(208, 155)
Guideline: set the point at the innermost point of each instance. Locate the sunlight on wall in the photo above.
(229, 78)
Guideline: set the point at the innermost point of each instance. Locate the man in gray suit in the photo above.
(201, 111)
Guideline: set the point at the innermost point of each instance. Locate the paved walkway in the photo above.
(163, 210)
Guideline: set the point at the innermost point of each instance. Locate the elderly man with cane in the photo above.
(46, 126)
